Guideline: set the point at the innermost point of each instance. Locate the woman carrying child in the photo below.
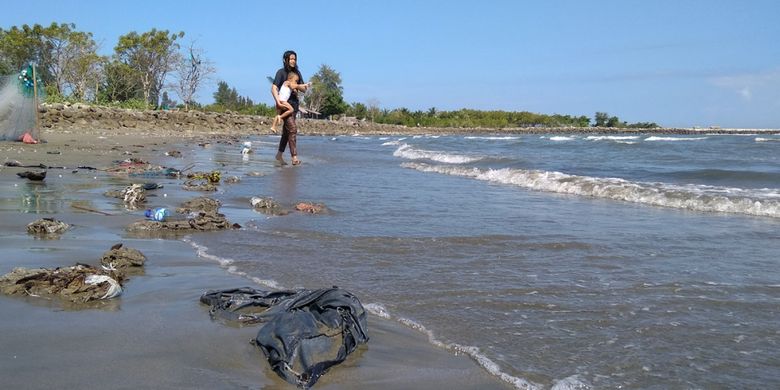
(288, 77)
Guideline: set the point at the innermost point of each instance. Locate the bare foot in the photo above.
(295, 161)
(280, 159)
(274, 124)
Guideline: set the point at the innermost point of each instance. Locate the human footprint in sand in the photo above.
(289, 127)
(284, 95)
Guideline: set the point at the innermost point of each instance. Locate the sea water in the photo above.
(555, 261)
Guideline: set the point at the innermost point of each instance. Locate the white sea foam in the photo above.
(611, 137)
(494, 138)
(574, 382)
(377, 310)
(761, 139)
(391, 143)
(474, 353)
(561, 138)
(202, 251)
(655, 138)
(760, 202)
(410, 153)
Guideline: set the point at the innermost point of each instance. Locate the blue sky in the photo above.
(674, 62)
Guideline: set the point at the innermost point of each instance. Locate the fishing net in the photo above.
(17, 104)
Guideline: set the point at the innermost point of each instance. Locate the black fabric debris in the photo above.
(303, 332)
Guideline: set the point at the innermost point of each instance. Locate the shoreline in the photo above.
(157, 334)
(83, 118)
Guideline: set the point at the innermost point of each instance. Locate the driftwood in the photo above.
(91, 210)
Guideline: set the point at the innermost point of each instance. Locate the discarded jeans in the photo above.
(304, 332)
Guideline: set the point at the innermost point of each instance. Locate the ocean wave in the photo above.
(391, 143)
(559, 138)
(493, 138)
(761, 139)
(202, 251)
(407, 152)
(656, 138)
(473, 352)
(759, 202)
(611, 137)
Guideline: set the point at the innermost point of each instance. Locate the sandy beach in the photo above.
(156, 334)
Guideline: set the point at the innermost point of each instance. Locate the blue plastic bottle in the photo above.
(159, 214)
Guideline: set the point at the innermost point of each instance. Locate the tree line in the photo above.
(144, 67)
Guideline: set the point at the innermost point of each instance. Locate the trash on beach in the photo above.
(27, 138)
(267, 206)
(232, 180)
(202, 213)
(158, 214)
(134, 194)
(173, 153)
(30, 175)
(247, 149)
(312, 208)
(152, 186)
(199, 185)
(138, 168)
(47, 226)
(121, 259)
(303, 332)
(131, 195)
(78, 283)
(114, 289)
(15, 163)
(202, 203)
(212, 177)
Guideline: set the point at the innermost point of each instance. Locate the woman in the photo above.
(289, 129)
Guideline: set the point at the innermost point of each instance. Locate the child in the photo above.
(284, 93)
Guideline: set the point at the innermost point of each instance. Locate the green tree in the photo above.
(120, 83)
(228, 98)
(151, 55)
(613, 122)
(225, 96)
(601, 119)
(66, 58)
(82, 68)
(18, 47)
(326, 93)
(358, 110)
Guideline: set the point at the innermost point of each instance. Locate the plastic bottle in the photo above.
(158, 214)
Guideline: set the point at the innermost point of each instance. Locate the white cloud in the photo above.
(745, 92)
(748, 85)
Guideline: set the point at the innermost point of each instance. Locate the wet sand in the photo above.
(157, 334)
